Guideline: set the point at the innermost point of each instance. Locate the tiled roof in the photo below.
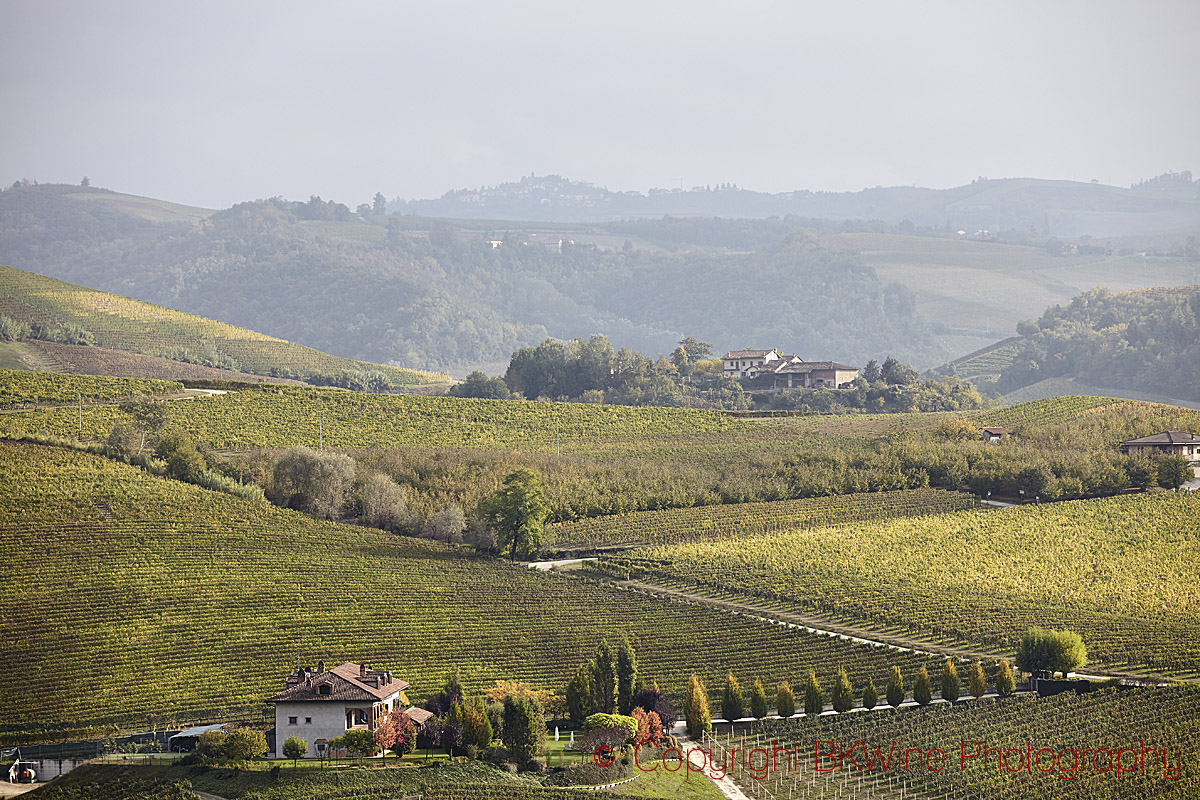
(747, 354)
(348, 682)
(419, 715)
(813, 366)
(1167, 437)
(997, 431)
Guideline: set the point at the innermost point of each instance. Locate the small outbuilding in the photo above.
(185, 740)
(994, 435)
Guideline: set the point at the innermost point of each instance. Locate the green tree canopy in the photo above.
(1043, 650)
(517, 511)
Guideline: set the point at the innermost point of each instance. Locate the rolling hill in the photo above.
(119, 326)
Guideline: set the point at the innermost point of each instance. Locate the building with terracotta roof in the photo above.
(319, 705)
(738, 363)
(1176, 443)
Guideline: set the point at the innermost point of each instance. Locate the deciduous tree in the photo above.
(518, 512)
(695, 708)
(294, 748)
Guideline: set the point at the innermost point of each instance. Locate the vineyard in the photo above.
(748, 519)
(987, 362)
(1041, 742)
(22, 388)
(119, 323)
(82, 360)
(1120, 571)
(146, 599)
(465, 781)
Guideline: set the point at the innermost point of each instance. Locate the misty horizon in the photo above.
(282, 99)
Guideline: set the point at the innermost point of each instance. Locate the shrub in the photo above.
(978, 680)
(1005, 683)
(843, 692)
(785, 700)
(922, 690)
(950, 683)
(732, 703)
(814, 697)
(870, 697)
(758, 700)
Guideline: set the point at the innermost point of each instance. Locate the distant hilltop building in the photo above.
(771, 370)
(319, 705)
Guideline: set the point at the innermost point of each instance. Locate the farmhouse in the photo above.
(771, 370)
(738, 363)
(1177, 443)
(319, 705)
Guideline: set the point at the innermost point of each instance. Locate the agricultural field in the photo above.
(141, 598)
(1119, 571)
(24, 388)
(82, 360)
(119, 323)
(748, 519)
(1041, 741)
(987, 362)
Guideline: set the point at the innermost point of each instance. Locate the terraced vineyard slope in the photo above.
(1120, 571)
(141, 598)
(120, 323)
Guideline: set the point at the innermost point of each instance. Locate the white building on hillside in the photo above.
(739, 363)
(319, 705)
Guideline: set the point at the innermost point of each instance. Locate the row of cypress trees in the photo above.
(698, 714)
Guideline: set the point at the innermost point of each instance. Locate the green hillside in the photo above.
(1146, 340)
(142, 598)
(1120, 571)
(119, 323)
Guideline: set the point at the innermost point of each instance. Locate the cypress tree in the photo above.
(978, 680)
(950, 682)
(604, 680)
(785, 701)
(895, 688)
(732, 704)
(922, 689)
(1005, 683)
(843, 692)
(627, 677)
(814, 698)
(580, 695)
(758, 700)
(870, 695)
(695, 708)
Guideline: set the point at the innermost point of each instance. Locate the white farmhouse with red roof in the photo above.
(319, 705)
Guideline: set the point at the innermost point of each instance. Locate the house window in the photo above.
(323, 688)
(291, 720)
(308, 720)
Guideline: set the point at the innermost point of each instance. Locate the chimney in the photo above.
(320, 666)
(362, 670)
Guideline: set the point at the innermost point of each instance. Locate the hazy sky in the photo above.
(213, 103)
